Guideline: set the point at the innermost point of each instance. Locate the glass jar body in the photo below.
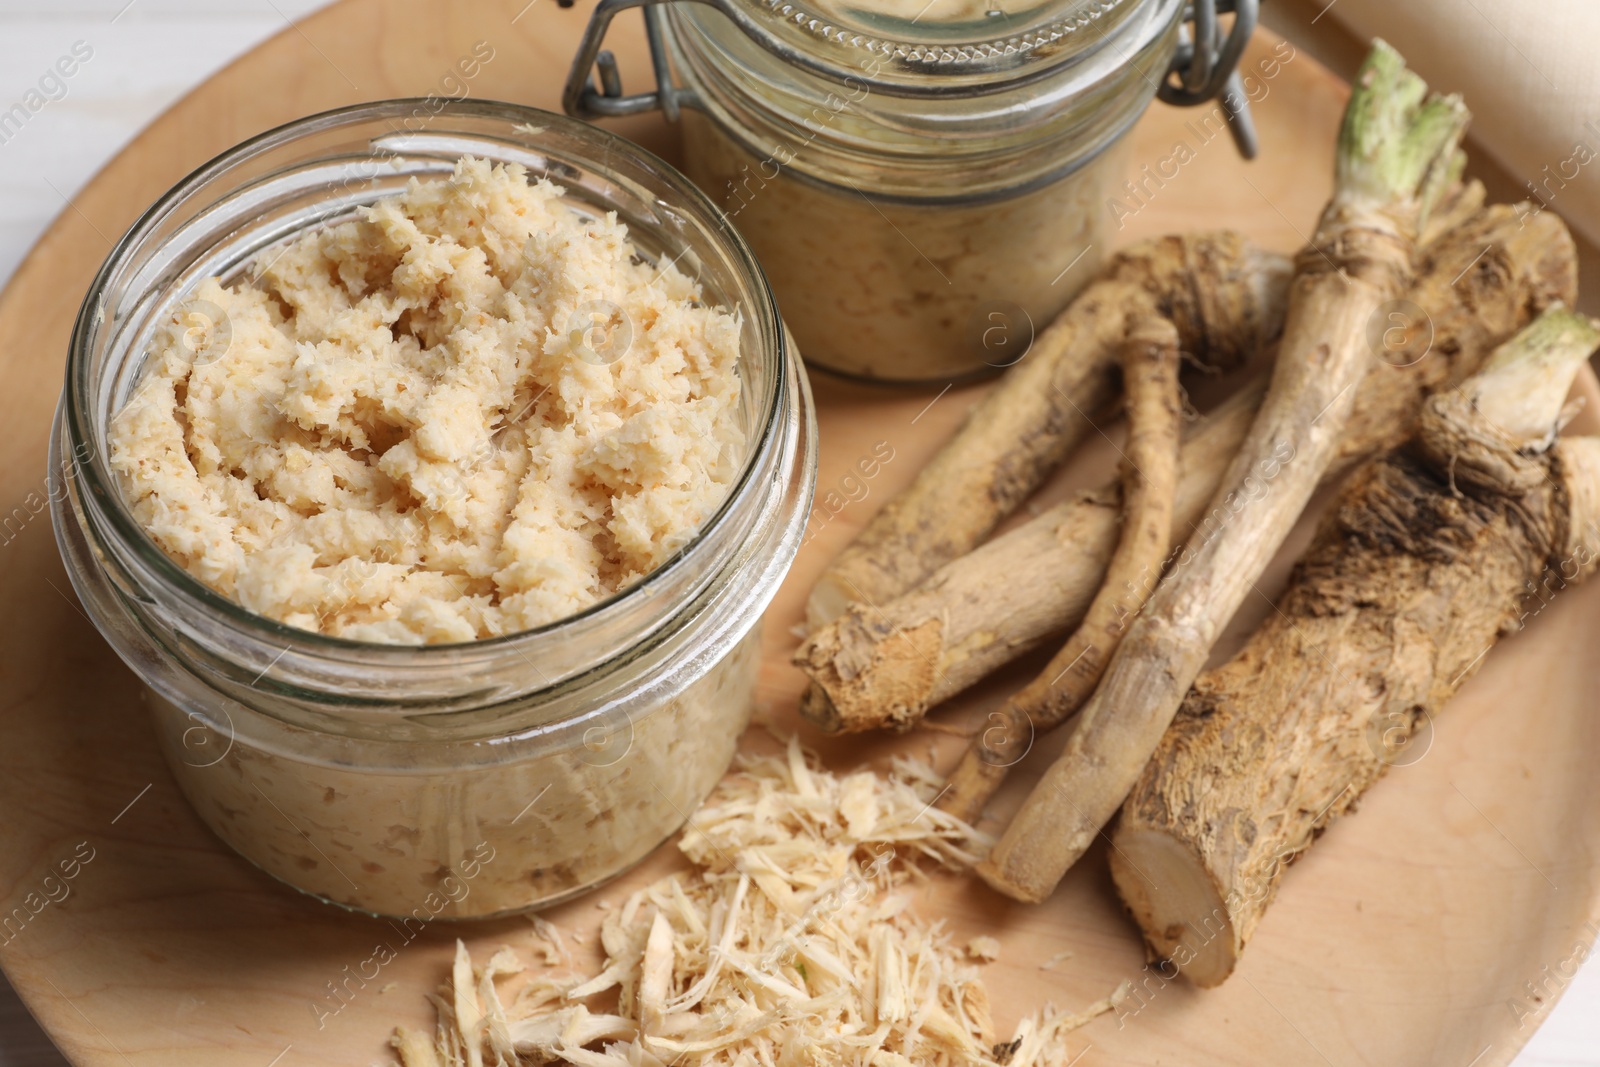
(918, 239)
(443, 781)
(447, 832)
(900, 291)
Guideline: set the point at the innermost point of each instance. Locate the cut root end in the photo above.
(1175, 901)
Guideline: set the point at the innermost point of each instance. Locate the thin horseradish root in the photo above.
(1223, 295)
(1395, 155)
(1478, 283)
(1424, 563)
(1149, 484)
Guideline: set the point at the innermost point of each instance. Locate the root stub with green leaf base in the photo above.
(1397, 152)
(1428, 557)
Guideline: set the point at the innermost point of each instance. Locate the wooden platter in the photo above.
(1407, 936)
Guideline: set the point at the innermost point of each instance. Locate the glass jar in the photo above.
(925, 182)
(441, 781)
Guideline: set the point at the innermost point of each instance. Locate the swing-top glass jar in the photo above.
(925, 182)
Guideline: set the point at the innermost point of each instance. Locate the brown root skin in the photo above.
(1479, 283)
(1149, 486)
(1413, 576)
(1291, 443)
(1362, 257)
(1223, 295)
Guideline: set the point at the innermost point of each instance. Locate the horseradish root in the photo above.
(1149, 484)
(1424, 563)
(1477, 285)
(1394, 155)
(1224, 296)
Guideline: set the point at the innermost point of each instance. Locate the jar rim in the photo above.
(914, 56)
(931, 150)
(84, 458)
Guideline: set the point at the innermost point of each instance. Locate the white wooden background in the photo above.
(146, 54)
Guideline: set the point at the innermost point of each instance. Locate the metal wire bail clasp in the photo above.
(1206, 66)
(581, 100)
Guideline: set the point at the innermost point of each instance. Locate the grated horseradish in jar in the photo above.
(413, 433)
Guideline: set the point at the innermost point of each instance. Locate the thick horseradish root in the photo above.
(1480, 281)
(1395, 154)
(1223, 295)
(1149, 485)
(1421, 567)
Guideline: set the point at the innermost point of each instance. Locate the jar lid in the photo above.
(932, 47)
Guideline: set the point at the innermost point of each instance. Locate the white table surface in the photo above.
(148, 53)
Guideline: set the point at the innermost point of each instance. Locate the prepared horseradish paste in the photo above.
(463, 831)
(905, 291)
(470, 411)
